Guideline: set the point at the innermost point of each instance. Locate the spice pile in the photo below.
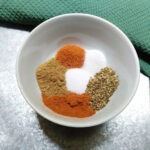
(101, 87)
(76, 82)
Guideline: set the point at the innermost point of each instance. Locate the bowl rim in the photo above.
(57, 121)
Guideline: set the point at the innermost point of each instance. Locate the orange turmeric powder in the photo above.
(72, 105)
(71, 56)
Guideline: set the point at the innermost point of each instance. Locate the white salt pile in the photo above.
(77, 80)
(94, 62)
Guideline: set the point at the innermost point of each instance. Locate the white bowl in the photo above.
(89, 32)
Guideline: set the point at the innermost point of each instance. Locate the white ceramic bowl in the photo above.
(89, 32)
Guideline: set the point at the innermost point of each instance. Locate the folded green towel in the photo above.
(131, 16)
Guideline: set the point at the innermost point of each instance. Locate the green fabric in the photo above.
(131, 16)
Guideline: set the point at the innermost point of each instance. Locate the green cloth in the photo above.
(131, 16)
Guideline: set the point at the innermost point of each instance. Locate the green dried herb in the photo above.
(101, 87)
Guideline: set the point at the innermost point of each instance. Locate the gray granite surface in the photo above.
(21, 128)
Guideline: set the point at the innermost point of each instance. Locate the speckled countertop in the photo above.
(21, 128)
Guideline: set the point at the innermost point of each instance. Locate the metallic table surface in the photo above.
(21, 128)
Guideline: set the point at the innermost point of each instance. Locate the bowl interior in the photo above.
(90, 33)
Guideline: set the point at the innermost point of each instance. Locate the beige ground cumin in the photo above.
(101, 87)
(51, 78)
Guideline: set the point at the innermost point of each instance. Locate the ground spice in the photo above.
(51, 78)
(71, 56)
(72, 105)
(101, 87)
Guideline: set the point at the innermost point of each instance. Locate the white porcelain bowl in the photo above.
(89, 32)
